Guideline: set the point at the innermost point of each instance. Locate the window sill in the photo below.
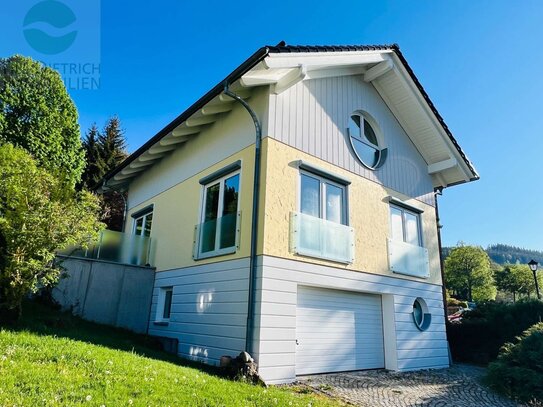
(217, 253)
(320, 257)
(161, 323)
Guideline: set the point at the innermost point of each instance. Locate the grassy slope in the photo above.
(55, 359)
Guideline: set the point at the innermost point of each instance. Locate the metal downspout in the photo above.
(254, 221)
(444, 288)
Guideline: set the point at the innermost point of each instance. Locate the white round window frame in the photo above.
(426, 316)
(381, 147)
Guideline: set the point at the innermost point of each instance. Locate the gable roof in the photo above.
(282, 66)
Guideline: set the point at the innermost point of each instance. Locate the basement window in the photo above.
(164, 305)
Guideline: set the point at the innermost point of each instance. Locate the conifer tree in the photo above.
(105, 150)
(93, 171)
(112, 144)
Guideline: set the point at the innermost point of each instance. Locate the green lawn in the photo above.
(53, 359)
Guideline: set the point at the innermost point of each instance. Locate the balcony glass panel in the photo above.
(224, 230)
(409, 259)
(316, 237)
(116, 247)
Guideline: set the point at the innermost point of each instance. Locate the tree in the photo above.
(39, 215)
(92, 174)
(104, 151)
(468, 273)
(516, 279)
(37, 114)
(113, 144)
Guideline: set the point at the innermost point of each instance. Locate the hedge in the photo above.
(484, 330)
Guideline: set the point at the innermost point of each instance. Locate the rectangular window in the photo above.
(142, 224)
(164, 306)
(406, 254)
(219, 223)
(323, 198)
(167, 304)
(320, 228)
(405, 226)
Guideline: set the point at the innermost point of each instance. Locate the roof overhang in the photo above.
(281, 67)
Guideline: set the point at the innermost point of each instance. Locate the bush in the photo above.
(518, 371)
(487, 328)
(453, 302)
(39, 214)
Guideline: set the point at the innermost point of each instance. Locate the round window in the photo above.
(421, 316)
(365, 141)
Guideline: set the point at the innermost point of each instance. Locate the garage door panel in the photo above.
(338, 331)
(340, 315)
(339, 303)
(312, 324)
(371, 353)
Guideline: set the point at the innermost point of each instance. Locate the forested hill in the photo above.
(505, 254)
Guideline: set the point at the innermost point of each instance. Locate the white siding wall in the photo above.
(276, 297)
(209, 309)
(231, 133)
(313, 115)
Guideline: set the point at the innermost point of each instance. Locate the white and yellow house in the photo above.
(293, 213)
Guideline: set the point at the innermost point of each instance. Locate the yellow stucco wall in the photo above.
(177, 211)
(368, 214)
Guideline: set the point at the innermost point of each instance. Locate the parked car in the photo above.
(457, 316)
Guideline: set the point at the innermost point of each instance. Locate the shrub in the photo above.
(453, 302)
(39, 214)
(518, 371)
(487, 328)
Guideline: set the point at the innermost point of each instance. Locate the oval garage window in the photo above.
(421, 315)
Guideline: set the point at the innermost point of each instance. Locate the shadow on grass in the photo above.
(44, 319)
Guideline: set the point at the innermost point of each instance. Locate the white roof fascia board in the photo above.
(325, 59)
(400, 70)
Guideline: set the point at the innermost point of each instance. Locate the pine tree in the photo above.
(112, 144)
(105, 150)
(94, 169)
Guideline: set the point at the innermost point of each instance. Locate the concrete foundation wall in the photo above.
(107, 293)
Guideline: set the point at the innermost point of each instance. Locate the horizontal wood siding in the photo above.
(209, 309)
(277, 288)
(313, 116)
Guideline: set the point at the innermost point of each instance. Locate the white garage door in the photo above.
(338, 331)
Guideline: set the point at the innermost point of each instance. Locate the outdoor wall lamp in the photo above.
(533, 266)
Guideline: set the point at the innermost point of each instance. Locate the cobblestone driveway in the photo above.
(457, 387)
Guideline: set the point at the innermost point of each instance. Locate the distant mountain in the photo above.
(505, 254)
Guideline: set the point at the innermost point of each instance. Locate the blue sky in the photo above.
(478, 60)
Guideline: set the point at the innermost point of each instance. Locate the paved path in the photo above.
(455, 387)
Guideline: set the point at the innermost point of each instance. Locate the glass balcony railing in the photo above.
(217, 237)
(405, 258)
(316, 237)
(115, 247)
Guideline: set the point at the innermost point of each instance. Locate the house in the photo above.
(293, 213)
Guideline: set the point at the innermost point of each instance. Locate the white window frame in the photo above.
(161, 304)
(380, 146)
(322, 191)
(227, 250)
(144, 219)
(405, 211)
